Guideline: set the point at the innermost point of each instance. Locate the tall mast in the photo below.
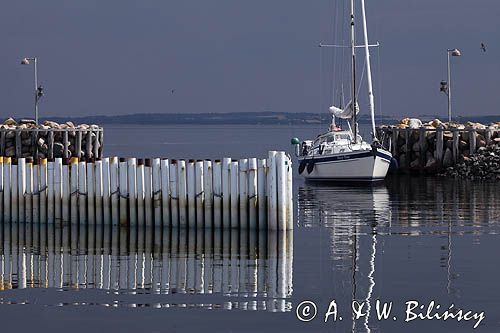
(353, 53)
(371, 102)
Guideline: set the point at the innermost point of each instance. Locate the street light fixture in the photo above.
(38, 89)
(446, 86)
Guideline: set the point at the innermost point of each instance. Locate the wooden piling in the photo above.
(7, 164)
(91, 194)
(217, 194)
(439, 146)
(2, 143)
(123, 190)
(289, 190)
(88, 146)
(422, 146)
(261, 193)
(66, 194)
(50, 192)
(272, 200)
(66, 152)
(282, 193)
(106, 191)
(243, 193)
(165, 192)
(182, 193)
(28, 198)
(408, 149)
(78, 143)
(132, 195)
(21, 174)
(199, 195)
(252, 194)
(472, 141)
(148, 193)
(99, 193)
(174, 194)
(82, 195)
(43, 191)
(208, 193)
(234, 195)
(114, 190)
(455, 150)
(58, 190)
(36, 192)
(50, 144)
(74, 189)
(226, 192)
(18, 143)
(394, 141)
(140, 194)
(156, 181)
(191, 193)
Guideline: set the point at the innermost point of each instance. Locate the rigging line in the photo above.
(361, 79)
(343, 67)
(320, 86)
(335, 58)
(379, 79)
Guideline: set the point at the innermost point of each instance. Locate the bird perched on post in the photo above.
(483, 47)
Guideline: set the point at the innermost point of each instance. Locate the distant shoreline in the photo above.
(243, 118)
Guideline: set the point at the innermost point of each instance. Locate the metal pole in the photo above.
(353, 64)
(449, 88)
(36, 92)
(371, 101)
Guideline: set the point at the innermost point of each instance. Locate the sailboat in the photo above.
(343, 155)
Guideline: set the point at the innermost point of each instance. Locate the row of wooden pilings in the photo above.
(432, 149)
(52, 142)
(247, 193)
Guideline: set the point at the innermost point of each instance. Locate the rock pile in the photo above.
(49, 140)
(483, 165)
(434, 145)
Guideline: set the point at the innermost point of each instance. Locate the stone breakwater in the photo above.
(24, 138)
(434, 146)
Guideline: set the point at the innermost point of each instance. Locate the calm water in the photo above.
(411, 238)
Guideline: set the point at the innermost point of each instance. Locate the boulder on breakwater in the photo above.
(24, 138)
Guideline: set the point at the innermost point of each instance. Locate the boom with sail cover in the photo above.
(346, 113)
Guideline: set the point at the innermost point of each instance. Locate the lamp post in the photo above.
(38, 89)
(446, 86)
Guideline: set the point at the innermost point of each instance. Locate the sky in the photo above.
(184, 56)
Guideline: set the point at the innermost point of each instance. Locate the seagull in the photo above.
(483, 47)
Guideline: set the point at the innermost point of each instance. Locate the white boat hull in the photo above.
(353, 166)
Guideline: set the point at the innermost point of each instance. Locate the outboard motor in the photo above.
(306, 145)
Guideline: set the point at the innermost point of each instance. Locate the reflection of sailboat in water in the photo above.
(225, 268)
(353, 216)
(367, 300)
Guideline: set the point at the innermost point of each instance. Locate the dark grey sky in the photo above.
(120, 57)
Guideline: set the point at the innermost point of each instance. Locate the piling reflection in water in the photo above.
(418, 201)
(241, 269)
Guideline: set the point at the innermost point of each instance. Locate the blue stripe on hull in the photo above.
(339, 157)
(340, 180)
(386, 157)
